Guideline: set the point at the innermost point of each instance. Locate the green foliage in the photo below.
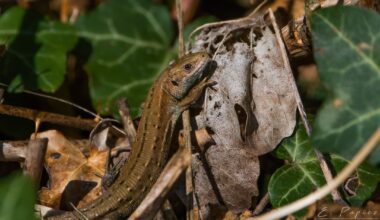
(130, 42)
(36, 49)
(302, 173)
(17, 198)
(125, 45)
(300, 176)
(367, 179)
(346, 42)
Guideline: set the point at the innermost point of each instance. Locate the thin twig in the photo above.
(54, 118)
(11, 151)
(322, 162)
(37, 124)
(366, 149)
(58, 100)
(127, 120)
(34, 159)
(74, 15)
(96, 117)
(78, 213)
(234, 21)
(220, 45)
(155, 198)
(329, 177)
(31, 114)
(185, 118)
(261, 205)
(64, 11)
(189, 173)
(16, 150)
(181, 45)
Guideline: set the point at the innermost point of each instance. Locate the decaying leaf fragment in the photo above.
(250, 110)
(73, 176)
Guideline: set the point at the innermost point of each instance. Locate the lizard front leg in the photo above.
(195, 93)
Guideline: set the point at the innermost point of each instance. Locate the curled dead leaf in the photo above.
(73, 177)
(251, 110)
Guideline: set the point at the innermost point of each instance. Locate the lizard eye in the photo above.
(187, 67)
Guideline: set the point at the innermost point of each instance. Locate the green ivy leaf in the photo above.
(300, 176)
(130, 42)
(366, 177)
(17, 198)
(346, 42)
(36, 50)
(302, 173)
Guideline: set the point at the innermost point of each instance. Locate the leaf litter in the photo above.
(75, 170)
(251, 109)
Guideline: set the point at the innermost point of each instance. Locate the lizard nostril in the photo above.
(175, 83)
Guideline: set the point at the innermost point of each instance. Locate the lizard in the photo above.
(174, 91)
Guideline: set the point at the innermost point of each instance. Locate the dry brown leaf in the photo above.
(73, 177)
(250, 111)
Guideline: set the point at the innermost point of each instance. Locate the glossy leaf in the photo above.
(36, 48)
(366, 179)
(347, 50)
(17, 198)
(129, 42)
(302, 173)
(300, 176)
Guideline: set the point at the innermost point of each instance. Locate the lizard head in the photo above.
(186, 72)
